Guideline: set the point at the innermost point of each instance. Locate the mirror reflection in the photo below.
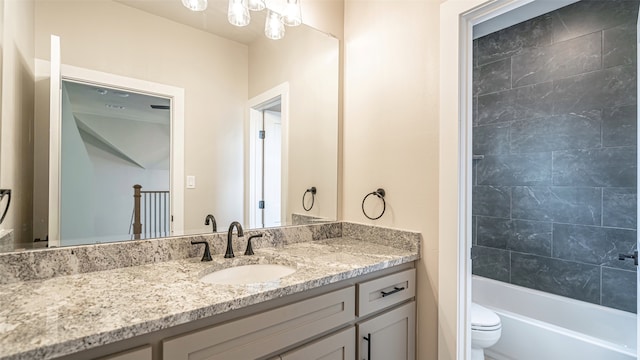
(258, 119)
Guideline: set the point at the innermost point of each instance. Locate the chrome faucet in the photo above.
(211, 220)
(229, 252)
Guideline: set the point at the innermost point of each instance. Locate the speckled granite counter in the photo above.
(58, 316)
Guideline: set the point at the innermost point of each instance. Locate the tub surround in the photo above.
(554, 198)
(61, 315)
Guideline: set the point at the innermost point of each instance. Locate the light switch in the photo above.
(191, 182)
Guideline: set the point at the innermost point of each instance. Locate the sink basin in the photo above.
(248, 274)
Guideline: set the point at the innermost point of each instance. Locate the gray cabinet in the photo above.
(142, 353)
(339, 346)
(390, 335)
(259, 335)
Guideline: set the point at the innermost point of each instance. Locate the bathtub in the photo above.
(537, 325)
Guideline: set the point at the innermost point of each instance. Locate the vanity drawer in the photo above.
(142, 353)
(386, 291)
(265, 333)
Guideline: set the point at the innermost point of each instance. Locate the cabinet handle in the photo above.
(395, 290)
(368, 339)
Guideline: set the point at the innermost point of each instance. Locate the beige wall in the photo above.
(114, 38)
(313, 110)
(16, 142)
(391, 129)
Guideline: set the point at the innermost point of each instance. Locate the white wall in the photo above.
(390, 136)
(125, 41)
(313, 111)
(16, 142)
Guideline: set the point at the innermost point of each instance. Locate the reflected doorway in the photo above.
(266, 163)
(112, 140)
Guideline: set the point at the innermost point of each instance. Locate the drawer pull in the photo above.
(368, 340)
(395, 290)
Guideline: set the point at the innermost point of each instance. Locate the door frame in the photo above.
(176, 97)
(457, 19)
(281, 91)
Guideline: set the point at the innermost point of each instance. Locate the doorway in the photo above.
(267, 159)
(111, 140)
(457, 101)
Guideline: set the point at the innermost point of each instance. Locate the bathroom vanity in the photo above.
(348, 296)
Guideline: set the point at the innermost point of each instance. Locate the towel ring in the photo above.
(313, 192)
(4, 192)
(380, 193)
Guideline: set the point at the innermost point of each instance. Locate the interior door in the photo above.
(55, 91)
(272, 192)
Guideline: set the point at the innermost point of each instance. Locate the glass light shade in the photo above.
(293, 13)
(195, 5)
(238, 14)
(273, 27)
(257, 5)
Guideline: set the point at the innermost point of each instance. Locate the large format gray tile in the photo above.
(619, 207)
(491, 263)
(515, 169)
(474, 232)
(593, 245)
(491, 139)
(534, 101)
(492, 77)
(491, 201)
(619, 289)
(604, 88)
(557, 61)
(608, 167)
(558, 204)
(587, 16)
(533, 237)
(560, 132)
(493, 232)
(619, 45)
(566, 278)
(510, 41)
(619, 126)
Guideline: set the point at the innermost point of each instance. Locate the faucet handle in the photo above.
(249, 250)
(207, 252)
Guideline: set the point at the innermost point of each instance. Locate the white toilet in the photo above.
(485, 330)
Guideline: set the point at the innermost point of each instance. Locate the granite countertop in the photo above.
(49, 318)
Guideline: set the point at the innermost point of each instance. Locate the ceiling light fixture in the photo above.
(274, 27)
(256, 5)
(195, 5)
(238, 14)
(291, 15)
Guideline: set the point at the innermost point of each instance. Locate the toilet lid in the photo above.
(482, 318)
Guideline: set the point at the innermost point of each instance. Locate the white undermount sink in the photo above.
(248, 274)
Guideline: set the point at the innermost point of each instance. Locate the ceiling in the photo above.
(212, 20)
(115, 121)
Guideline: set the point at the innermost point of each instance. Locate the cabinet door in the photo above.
(390, 335)
(340, 346)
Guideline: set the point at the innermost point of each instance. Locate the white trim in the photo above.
(457, 19)
(54, 143)
(282, 91)
(638, 187)
(174, 94)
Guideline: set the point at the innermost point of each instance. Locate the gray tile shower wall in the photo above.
(555, 109)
